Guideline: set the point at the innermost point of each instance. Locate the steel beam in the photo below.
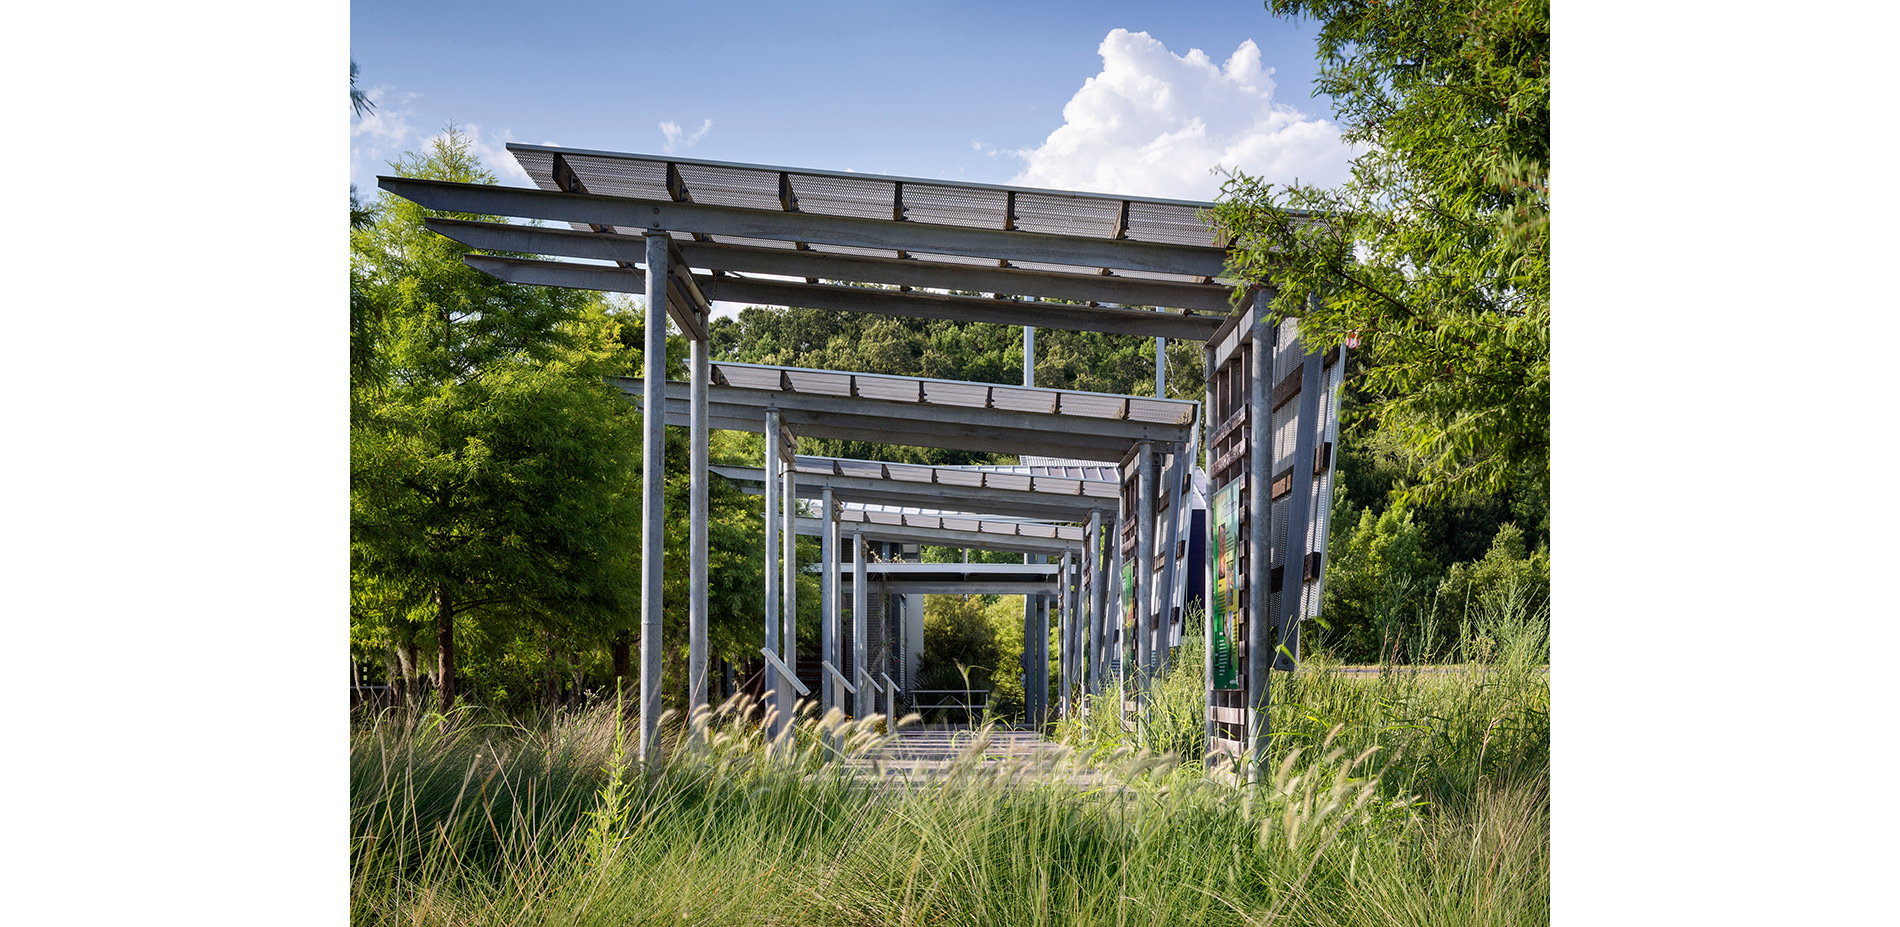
(880, 234)
(880, 421)
(1210, 299)
(653, 509)
(1007, 503)
(858, 299)
(971, 587)
(938, 537)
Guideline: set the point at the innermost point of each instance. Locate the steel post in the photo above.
(1097, 605)
(1144, 567)
(828, 597)
(696, 596)
(860, 622)
(653, 500)
(1065, 639)
(1210, 567)
(775, 701)
(1259, 535)
(1170, 543)
(788, 638)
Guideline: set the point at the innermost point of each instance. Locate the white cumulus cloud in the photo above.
(1154, 123)
(674, 134)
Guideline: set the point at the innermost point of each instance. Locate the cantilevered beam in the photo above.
(1006, 502)
(920, 424)
(607, 246)
(1145, 322)
(688, 307)
(940, 537)
(972, 587)
(882, 234)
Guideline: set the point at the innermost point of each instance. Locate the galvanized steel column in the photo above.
(696, 659)
(1065, 639)
(653, 497)
(1259, 534)
(1170, 542)
(775, 701)
(1112, 608)
(788, 639)
(1210, 567)
(1098, 603)
(1031, 697)
(1029, 356)
(1144, 567)
(828, 599)
(1042, 657)
(1161, 367)
(860, 626)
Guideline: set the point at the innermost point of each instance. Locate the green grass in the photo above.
(1399, 799)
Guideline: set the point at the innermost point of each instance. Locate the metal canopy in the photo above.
(684, 232)
(995, 535)
(963, 578)
(733, 223)
(948, 489)
(918, 412)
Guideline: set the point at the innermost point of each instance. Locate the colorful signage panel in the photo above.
(1225, 611)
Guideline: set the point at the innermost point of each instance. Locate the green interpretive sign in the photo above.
(1226, 606)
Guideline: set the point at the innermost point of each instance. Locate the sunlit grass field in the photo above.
(1397, 799)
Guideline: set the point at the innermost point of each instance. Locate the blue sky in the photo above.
(971, 91)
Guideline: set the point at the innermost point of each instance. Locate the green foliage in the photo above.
(1378, 584)
(1436, 252)
(491, 470)
(958, 639)
(1501, 601)
(1008, 704)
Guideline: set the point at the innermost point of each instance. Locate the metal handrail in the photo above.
(967, 704)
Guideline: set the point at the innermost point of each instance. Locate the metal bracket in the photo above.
(784, 670)
(848, 687)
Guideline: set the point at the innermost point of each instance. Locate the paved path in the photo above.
(924, 756)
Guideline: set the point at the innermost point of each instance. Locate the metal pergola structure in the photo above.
(1022, 511)
(684, 232)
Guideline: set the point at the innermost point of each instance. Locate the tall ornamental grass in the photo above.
(475, 820)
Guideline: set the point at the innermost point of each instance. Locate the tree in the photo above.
(491, 467)
(1436, 252)
(360, 102)
(1379, 584)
